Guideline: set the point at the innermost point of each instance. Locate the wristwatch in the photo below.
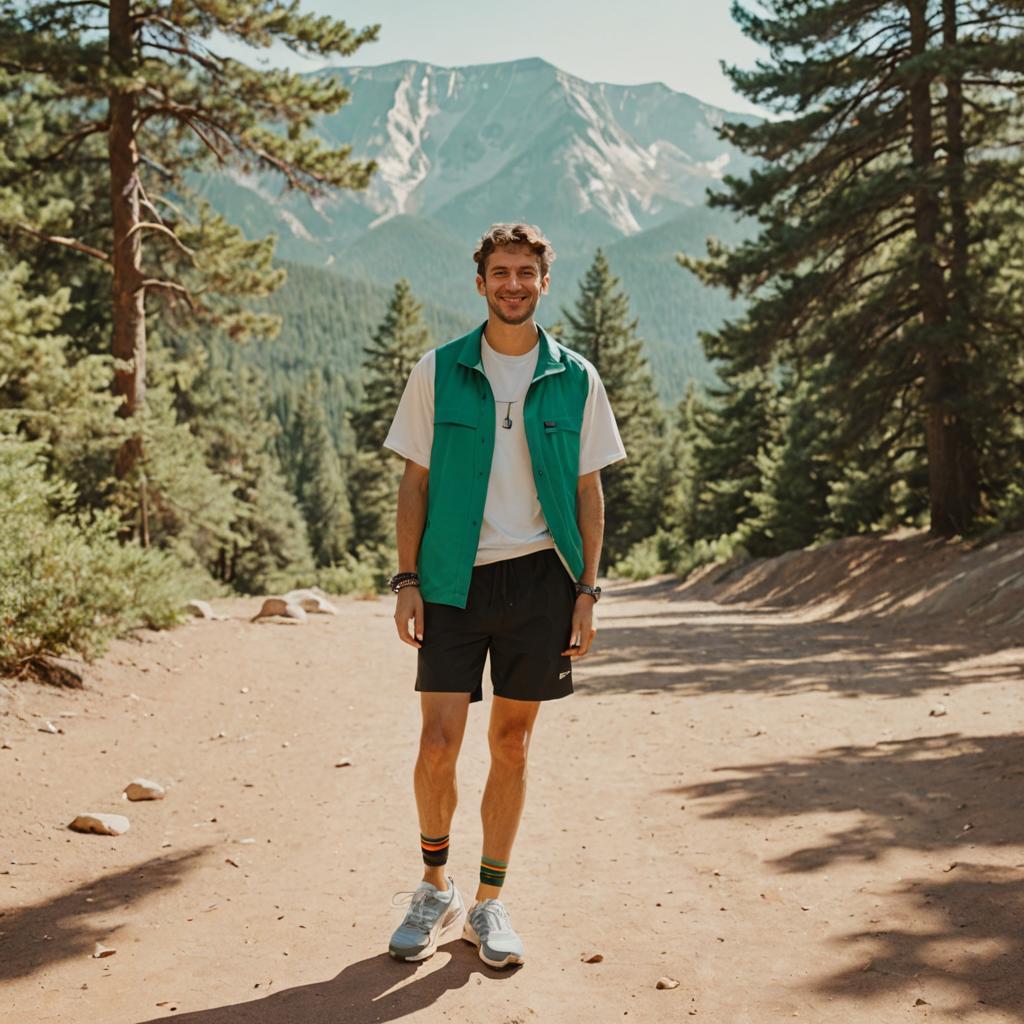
(594, 592)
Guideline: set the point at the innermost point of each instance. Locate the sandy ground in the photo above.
(793, 815)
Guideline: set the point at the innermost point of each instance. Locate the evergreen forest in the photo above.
(184, 415)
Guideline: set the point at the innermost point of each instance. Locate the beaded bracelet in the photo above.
(403, 578)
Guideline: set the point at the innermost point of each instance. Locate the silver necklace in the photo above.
(507, 421)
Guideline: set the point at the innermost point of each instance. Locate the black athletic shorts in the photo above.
(520, 610)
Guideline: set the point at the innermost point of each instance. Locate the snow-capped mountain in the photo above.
(521, 140)
(623, 167)
(464, 144)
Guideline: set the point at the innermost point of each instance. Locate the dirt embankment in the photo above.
(900, 577)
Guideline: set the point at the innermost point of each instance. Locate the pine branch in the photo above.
(151, 226)
(67, 243)
(172, 286)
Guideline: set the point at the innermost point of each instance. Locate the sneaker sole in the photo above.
(469, 935)
(449, 931)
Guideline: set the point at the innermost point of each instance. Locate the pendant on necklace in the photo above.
(507, 421)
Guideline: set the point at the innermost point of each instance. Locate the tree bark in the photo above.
(952, 498)
(128, 292)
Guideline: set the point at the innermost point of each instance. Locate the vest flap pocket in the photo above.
(454, 415)
(560, 422)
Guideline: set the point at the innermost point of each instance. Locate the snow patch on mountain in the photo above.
(402, 164)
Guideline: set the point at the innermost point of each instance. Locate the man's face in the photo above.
(513, 283)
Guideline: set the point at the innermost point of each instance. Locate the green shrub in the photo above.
(645, 558)
(66, 583)
(366, 573)
(703, 552)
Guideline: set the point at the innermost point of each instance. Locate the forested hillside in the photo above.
(183, 413)
(594, 164)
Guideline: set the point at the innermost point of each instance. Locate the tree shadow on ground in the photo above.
(371, 991)
(703, 652)
(951, 796)
(59, 928)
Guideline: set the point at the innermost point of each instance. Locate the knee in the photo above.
(509, 747)
(438, 752)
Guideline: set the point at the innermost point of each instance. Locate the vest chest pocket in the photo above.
(562, 443)
(455, 417)
(454, 452)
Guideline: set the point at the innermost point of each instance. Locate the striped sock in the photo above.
(492, 872)
(435, 851)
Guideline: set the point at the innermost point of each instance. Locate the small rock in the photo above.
(921, 1002)
(311, 601)
(59, 671)
(667, 983)
(343, 763)
(592, 958)
(950, 865)
(48, 726)
(244, 689)
(231, 861)
(278, 607)
(200, 609)
(144, 789)
(101, 824)
(5, 744)
(99, 950)
(938, 711)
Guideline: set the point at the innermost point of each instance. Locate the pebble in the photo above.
(311, 601)
(200, 609)
(101, 824)
(276, 606)
(667, 983)
(144, 789)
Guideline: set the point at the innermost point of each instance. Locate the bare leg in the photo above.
(444, 722)
(509, 738)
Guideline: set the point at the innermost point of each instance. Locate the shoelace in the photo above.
(495, 914)
(417, 915)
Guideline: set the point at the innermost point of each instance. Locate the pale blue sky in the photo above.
(678, 42)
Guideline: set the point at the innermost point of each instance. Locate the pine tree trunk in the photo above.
(129, 315)
(950, 451)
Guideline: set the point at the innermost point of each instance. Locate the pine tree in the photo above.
(399, 342)
(635, 490)
(147, 82)
(882, 199)
(732, 430)
(317, 479)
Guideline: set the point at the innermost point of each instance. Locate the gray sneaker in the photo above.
(488, 927)
(433, 917)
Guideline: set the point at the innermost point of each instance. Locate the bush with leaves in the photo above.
(66, 583)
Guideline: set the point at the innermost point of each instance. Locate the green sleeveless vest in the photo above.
(460, 459)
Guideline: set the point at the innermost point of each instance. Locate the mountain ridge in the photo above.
(593, 164)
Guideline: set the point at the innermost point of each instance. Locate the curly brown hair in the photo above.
(500, 235)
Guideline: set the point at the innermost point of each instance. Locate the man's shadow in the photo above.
(371, 991)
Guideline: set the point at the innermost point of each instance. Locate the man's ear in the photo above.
(480, 285)
(544, 282)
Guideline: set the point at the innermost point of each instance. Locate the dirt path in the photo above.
(759, 806)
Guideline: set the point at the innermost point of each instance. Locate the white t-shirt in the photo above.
(513, 523)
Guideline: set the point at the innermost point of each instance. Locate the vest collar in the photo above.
(548, 358)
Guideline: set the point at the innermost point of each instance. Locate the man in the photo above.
(497, 554)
